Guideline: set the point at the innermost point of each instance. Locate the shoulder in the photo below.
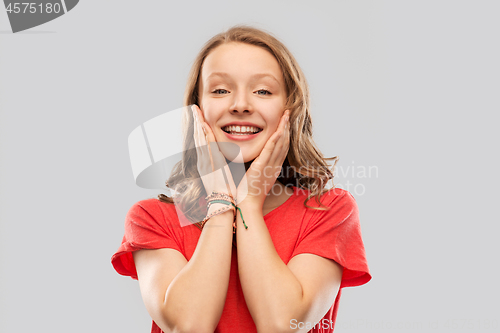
(341, 203)
(338, 207)
(332, 198)
(339, 197)
(150, 210)
(149, 205)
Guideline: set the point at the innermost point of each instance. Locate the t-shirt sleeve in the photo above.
(336, 234)
(145, 228)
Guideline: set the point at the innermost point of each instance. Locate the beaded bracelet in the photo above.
(217, 197)
(234, 206)
(221, 198)
(217, 212)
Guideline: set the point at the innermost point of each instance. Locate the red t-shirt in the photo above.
(294, 229)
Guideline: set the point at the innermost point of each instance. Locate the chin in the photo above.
(236, 155)
(250, 158)
(240, 159)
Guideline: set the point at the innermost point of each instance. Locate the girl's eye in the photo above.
(263, 92)
(220, 91)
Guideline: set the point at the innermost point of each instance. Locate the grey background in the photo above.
(410, 87)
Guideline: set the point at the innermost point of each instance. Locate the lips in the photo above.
(240, 137)
(241, 129)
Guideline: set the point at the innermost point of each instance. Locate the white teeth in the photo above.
(241, 129)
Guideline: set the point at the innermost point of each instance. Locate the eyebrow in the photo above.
(255, 76)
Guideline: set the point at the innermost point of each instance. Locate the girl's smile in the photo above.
(242, 96)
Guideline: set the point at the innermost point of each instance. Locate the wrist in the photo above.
(216, 206)
(218, 212)
(248, 204)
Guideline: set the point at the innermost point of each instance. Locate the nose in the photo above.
(241, 103)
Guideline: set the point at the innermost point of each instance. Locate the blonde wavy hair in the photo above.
(310, 170)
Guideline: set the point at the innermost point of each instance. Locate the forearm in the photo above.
(272, 292)
(195, 298)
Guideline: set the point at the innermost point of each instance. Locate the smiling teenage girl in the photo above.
(282, 267)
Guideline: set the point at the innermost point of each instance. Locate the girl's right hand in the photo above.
(211, 163)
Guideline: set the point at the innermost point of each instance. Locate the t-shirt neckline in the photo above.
(286, 203)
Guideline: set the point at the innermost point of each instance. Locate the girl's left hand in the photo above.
(265, 169)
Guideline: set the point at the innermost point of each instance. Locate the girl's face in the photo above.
(242, 96)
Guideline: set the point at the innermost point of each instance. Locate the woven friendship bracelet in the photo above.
(241, 214)
(217, 197)
(217, 212)
(234, 221)
(220, 201)
(220, 196)
(215, 193)
(238, 208)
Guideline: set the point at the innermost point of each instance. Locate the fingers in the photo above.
(205, 128)
(282, 144)
(198, 127)
(198, 137)
(200, 132)
(216, 156)
(212, 164)
(276, 148)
